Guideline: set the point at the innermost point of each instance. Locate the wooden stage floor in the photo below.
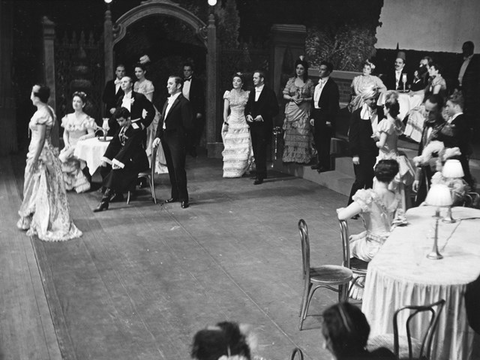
(144, 278)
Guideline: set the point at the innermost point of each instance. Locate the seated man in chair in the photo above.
(123, 160)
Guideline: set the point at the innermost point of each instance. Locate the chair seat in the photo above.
(386, 341)
(331, 274)
(358, 266)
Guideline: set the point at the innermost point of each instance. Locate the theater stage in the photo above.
(144, 278)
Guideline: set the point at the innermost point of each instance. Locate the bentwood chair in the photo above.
(472, 199)
(332, 277)
(148, 174)
(295, 352)
(358, 267)
(406, 346)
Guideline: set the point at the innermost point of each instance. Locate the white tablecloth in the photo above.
(91, 151)
(400, 275)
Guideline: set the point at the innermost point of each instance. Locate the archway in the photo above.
(205, 33)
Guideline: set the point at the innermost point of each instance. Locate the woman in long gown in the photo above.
(387, 134)
(77, 126)
(377, 208)
(44, 211)
(298, 137)
(237, 153)
(362, 82)
(145, 87)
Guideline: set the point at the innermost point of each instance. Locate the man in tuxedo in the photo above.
(175, 123)
(393, 80)
(324, 113)
(362, 145)
(135, 103)
(113, 91)
(261, 108)
(456, 132)
(469, 83)
(432, 126)
(123, 160)
(194, 91)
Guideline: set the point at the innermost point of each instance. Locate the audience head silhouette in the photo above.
(345, 330)
(222, 341)
(386, 170)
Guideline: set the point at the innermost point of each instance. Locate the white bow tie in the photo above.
(118, 81)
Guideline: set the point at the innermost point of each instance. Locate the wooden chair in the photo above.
(408, 347)
(472, 199)
(148, 174)
(333, 277)
(358, 267)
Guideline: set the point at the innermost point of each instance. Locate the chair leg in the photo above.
(354, 282)
(343, 293)
(304, 307)
(128, 197)
(152, 190)
(309, 300)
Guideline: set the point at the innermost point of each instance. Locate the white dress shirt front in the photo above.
(318, 91)
(127, 101)
(170, 100)
(258, 91)
(398, 75)
(118, 82)
(186, 88)
(463, 68)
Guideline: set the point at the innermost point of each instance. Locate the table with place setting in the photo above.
(91, 151)
(401, 274)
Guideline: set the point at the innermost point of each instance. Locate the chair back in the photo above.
(427, 337)
(302, 227)
(344, 235)
(472, 199)
(295, 352)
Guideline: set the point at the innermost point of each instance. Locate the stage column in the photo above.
(8, 131)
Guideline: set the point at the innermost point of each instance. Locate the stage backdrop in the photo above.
(429, 25)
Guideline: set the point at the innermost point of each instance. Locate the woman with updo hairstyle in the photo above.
(237, 153)
(298, 137)
(223, 341)
(143, 85)
(436, 82)
(362, 83)
(377, 207)
(345, 330)
(44, 211)
(77, 126)
(388, 131)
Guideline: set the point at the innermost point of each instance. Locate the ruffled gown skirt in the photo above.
(237, 153)
(45, 211)
(73, 175)
(298, 139)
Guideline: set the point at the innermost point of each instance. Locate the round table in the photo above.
(91, 151)
(400, 275)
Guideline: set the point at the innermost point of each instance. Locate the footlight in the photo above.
(451, 170)
(438, 196)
